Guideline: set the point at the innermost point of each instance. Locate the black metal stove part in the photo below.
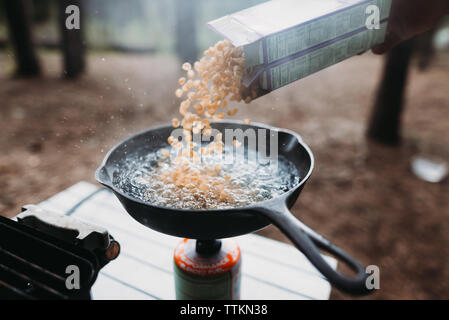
(86, 235)
(36, 251)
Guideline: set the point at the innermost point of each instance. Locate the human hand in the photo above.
(409, 18)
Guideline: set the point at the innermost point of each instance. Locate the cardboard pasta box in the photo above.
(286, 40)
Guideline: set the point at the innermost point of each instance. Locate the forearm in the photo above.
(412, 17)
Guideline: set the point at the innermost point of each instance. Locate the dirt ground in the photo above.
(362, 196)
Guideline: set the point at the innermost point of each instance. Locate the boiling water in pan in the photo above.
(250, 181)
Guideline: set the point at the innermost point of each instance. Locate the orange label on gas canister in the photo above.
(188, 260)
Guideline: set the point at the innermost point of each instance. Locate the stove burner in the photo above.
(40, 250)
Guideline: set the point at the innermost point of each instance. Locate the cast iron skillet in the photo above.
(224, 223)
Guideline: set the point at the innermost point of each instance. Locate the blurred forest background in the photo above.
(133, 25)
(365, 120)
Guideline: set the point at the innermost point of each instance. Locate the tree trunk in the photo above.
(18, 16)
(186, 46)
(385, 122)
(42, 10)
(73, 45)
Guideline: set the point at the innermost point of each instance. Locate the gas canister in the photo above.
(207, 269)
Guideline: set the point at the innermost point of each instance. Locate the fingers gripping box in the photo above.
(286, 40)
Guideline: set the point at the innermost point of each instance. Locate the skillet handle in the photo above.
(308, 242)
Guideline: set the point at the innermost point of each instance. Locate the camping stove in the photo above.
(44, 255)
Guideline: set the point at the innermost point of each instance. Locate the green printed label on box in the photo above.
(319, 59)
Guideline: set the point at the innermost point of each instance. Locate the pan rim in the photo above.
(254, 207)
